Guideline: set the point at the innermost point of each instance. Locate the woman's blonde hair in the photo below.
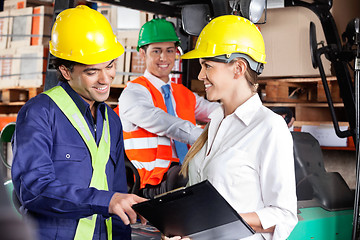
(251, 77)
(195, 148)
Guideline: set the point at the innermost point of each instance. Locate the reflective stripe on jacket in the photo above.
(152, 154)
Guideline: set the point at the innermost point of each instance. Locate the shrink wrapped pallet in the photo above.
(4, 29)
(6, 64)
(41, 25)
(130, 49)
(20, 27)
(123, 66)
(109, 11)
(137, 62)
(119, 77)
(29, 66)
(18, 4)
(122, 18)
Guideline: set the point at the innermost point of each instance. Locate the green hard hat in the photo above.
(157, 30)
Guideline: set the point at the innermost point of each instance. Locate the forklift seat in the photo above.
(132, 176)
(313, 181)
(5, 137)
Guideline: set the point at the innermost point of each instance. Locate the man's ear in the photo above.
(142, 54)
(239, 68)
(65, 72)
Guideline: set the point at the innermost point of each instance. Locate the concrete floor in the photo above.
(343, 162)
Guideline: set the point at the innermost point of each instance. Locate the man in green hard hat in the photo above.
(158, 116)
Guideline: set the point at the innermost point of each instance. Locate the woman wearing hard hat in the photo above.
(246, 151)
(68, 169)
(159, 117)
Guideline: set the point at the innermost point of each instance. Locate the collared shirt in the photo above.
(52, 167)
(136, 109)
(249, 159)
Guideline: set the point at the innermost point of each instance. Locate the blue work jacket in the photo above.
(52, 168)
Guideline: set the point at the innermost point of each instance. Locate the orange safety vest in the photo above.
(152, 154)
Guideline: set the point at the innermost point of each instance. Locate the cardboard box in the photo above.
(6, 64)
(122, 18)
(20, 27)
(129, 19)
(130, 44)
(313, 112)
(287, 45)
(4, 29)
(109, 12)
(119, 77)
(41, 25)
(25, 27)
(128, 40)
(29, 66)
(343, 12)
(137, 63)
(18, 4)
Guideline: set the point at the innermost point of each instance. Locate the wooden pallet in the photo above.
(18, 95)
(298, 90)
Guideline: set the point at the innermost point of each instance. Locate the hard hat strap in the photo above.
(227, 58)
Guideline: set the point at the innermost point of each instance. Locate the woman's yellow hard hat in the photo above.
(226, 35)
(85, 36)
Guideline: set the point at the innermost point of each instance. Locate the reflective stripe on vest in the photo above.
(86, 226)
(149, 166)
(146, 142)
(152, 154)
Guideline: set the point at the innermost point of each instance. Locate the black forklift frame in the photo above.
(333, 52)
(322, 10)
(349, 91)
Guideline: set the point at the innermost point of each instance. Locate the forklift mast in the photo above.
(333, 52)
(339, 56)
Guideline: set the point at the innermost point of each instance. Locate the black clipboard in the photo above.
(197, 211)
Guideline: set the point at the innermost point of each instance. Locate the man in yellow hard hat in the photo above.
(159, 117)
(68, 169)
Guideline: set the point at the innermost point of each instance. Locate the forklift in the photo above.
(327, 207)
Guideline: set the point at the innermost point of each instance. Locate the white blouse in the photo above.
(249, 159)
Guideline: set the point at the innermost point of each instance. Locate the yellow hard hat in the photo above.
(85, 36)
(226, 35)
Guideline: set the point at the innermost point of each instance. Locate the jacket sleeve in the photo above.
(136, 109)
(204, 108)
(36, 180)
